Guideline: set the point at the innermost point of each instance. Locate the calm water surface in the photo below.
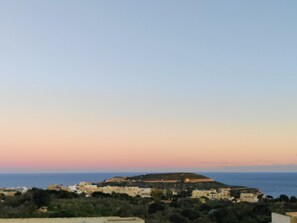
(269, 183)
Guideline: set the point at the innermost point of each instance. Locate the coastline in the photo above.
(269, 183)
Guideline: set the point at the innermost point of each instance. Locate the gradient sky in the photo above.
(148, 85)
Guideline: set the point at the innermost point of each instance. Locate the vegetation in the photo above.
(159, 209)
(178, 182)
(168, 176)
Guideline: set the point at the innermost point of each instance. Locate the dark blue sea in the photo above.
(273, 184)
(269, 183)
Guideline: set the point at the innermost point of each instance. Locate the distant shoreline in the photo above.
(271, 183)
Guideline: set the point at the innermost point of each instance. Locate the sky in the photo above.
(110, 85)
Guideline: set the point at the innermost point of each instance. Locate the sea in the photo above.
(273, 184)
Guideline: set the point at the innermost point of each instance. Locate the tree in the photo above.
(269, 197)
(169, 194)
(283, 198)
(40, 197)
(205, 207)
(261, 210)
(293, 199)
(157, 194)
(154, 207)
(224, 216)
(185, 193)
(100, 194)
(177, 218)
(190, 213)
(2, 197)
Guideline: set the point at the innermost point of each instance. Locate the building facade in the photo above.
(289, 217)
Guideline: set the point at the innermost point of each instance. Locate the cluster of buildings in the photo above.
(224, 194)
(249, 197)
(213, 194)
(133, 191)
(10, 192)
(88, 189)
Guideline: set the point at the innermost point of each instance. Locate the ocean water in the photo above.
(273, 184)
(45, 179)
(269, 183)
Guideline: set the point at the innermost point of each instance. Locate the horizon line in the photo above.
(146, 172)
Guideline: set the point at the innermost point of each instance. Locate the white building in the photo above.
(289, 217)
(72, 188)
(131, 191)
(220, 194)
(145, 192)
(249, 197)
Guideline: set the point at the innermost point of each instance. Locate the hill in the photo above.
(176, 181)
(179, 182)
(171, 177)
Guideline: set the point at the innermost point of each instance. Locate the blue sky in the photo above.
(161, 62)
